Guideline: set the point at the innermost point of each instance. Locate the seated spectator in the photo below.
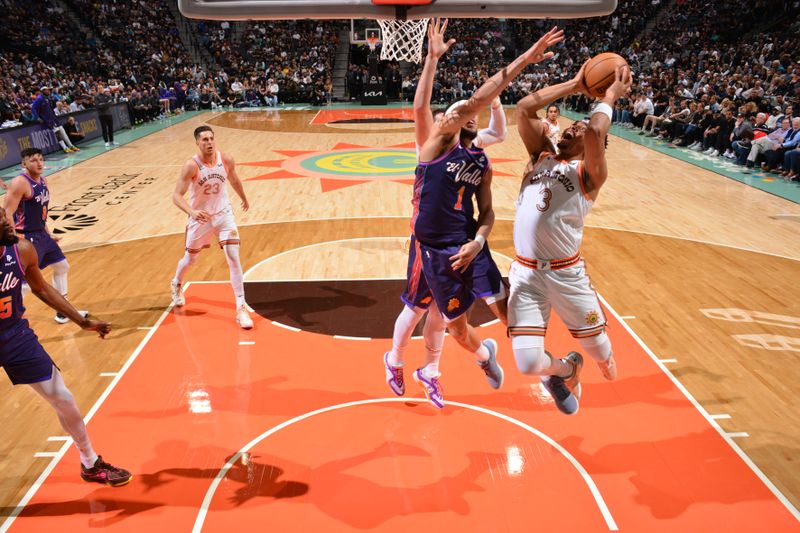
(768, 142)
(790, 141)
(71, 127)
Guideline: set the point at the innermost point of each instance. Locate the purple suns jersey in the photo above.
(11, 278)
(31, 215)
(443, 191)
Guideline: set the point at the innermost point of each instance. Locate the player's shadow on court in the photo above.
(698, 468)
(298, 308)
(257, 480)
(335, 490)
(100, 505)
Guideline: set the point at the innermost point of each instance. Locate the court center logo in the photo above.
(346, 165)
(71, 222)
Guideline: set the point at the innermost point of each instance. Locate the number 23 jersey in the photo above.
(551, 209)
(209, 191)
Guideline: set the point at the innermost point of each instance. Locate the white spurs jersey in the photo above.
(551, 208)
(209, 190)
(553, 132)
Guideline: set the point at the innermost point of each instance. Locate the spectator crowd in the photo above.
(718, 77)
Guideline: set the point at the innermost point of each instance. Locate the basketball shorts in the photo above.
(47, 248)
(23, 357)
(535, 292)
(416, 293)
(454, 291)
(222, 226)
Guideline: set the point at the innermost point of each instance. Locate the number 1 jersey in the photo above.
(443, 192)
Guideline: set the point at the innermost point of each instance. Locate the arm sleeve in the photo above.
(497, 130)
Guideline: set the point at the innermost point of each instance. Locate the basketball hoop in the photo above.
(402, 39)
(372, 41)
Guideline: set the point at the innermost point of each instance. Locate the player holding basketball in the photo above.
(26, 204)
(205, 176)
(417, 297)
(455, 262)
(556, 194)
(25, 360)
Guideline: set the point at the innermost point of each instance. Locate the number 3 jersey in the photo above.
(551, 209)
(209, 191)
(443, 192)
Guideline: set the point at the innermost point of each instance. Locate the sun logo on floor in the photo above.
(346, 165)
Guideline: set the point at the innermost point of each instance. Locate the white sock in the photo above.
(404, 326)
(482, 353)
(237, 276)
(60, 270)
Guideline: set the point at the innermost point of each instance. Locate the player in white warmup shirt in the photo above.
(555, 196)
(205, 176)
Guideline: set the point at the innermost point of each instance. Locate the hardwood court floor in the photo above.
(693, 256)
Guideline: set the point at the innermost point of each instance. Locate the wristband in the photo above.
(480, 239)
(603, 108)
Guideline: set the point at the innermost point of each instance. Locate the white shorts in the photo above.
(569, 291)
(222, 226)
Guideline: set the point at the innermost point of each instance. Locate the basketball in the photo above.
(599, 72)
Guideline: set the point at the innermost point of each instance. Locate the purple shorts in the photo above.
(23, 357)
(417, 293)
(47, 249)
(455, 292)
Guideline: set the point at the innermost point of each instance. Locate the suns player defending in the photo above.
(556, 194)
(25, 360)
(205, 176)
(26, 203)
(417, 297)
(455, 260)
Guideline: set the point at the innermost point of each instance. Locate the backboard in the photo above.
(411, 9)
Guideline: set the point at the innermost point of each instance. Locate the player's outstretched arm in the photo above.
(14, 195)
(233, 177)
(594, 140)
(423, 119)
(46, 293)
(470, 250)
(530, 127)
(497, 130)
(188, 172)
(452, 122)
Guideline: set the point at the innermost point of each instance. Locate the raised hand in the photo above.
(622, 83)
(537, 53)
(437, 46)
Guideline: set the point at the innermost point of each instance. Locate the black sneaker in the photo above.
(106, 473)
(566, 402)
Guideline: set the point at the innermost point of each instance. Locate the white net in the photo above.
(402, 39)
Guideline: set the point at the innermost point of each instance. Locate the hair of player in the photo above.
(200, 129)
(29, 152)
(437, 111)
(553, 105)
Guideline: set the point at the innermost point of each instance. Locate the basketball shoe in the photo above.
(431, 387)
(566, 391)
(62, 319)
(394, 376)
(177, 294)
(492, 369)
(105, 473)
(243, 318)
